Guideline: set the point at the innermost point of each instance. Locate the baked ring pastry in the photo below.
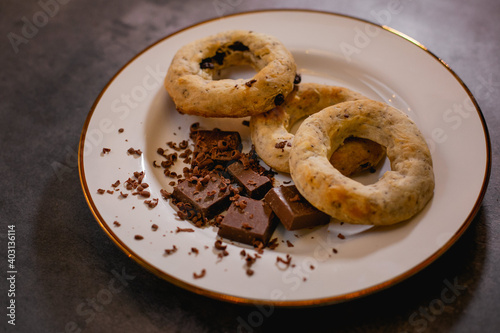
(191, 77)
(398, 195)
(272, 139)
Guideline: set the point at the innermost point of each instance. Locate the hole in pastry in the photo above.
(235, 72)
(361, 159)
(296, 124)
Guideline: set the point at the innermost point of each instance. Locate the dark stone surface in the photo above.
(64, 259)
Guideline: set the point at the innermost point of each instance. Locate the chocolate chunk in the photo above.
(215, 147)
(238, 46)
(255, 185)
(293, 210)
(249, 83)
(255, 223)
(279, 99)
(205, 197)
(207, 63)
(219, 56)
(297, 79)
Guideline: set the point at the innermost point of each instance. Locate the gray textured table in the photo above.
(51, 74)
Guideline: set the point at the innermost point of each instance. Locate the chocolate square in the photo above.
(208, 196)
(247, 221)
(254, 184)
(293, 210)
(215, 147)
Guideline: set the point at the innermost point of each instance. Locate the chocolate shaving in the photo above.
(171, 251)
(199, 276)
(246, 226)
(286, 261)
(133, 151)
(151, 203)
(179, 229)
(219, 245)
(273, 244)
(145, 194)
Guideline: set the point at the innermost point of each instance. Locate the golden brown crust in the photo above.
(398, 195)
(190, 77)
(271, 135)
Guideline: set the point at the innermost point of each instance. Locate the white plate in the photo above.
(378, 62)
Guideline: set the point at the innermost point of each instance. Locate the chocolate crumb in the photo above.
(289, 244)
(101, 191)
(273, 244)
(133, 151)
(341, 236)
(120, 130)
(219, 245)
(105, 150)
(138, 237)
(151, 203)
(199, 276)
(194, 126)
(116, 223)
(145, 194)
(165, 194)
(183, 230)
(170, 251)
(246, 226)
(154, 227)
(286, 261)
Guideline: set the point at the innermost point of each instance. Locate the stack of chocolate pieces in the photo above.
(235, 182)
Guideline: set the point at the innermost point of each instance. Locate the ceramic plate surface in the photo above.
(333, 49)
